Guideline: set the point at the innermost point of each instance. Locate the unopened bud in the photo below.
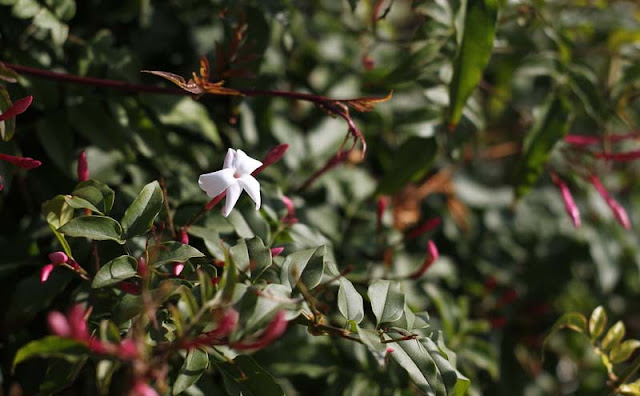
(276, 251)
(18, 107)
(143, 268)
(78, 323)
(58, 258)
(432, 256)
(569, 204)
(45, 272)
(273, 331)
(618, 211)
(21, 162)
(383, 202)
(184, 237)
(127, 349)
(58, 324)
(141, 388)
(128, 287)
(424, 227)
(226, 325)
(177, 268)
(83, 167)
(273, 156)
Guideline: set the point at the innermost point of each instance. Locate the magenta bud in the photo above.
(58, 258)
(22, 162)
(569, 204)
(18, 107)
(184, 237)
(432, 256)
(83, 167)
(273, 156)
(273, 331)
(58, 324)
(143, 268)
(128, 287)
(581, 140)
(618, 211)
(177, 268)
(127, 349)
(78, 323)
(45, 272)
(226, 325)
(383, 202)
(424, 227)
(390, 350)
(433, 250)
(276, 251)
(626, 156)
(288, 203)
(141, 388)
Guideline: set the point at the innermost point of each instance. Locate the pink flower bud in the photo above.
(390, 350)
(127, 349)
(22, 162)
(626, 156)
(226, 325)
(276, 251)
(96, 346)
(432, 256)
(83, 168)
(368, 63)
(78, 323)
(618, 211)
(58, 324)
(569, 204)
(141, 388)
(581, 140)
(273, 331)
(288, 203)
(424, 227)
(383, 202)
(143, 268)
(18, 107)
(273, 156)
(129, 287)
(184, 237)
(177, 268)
(58, 257)
(45, 272)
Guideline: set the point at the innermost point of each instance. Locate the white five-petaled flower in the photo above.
(234, 177)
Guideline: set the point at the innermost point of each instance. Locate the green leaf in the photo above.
(99, 228)
(50, 346)
(240, 256)
(551, 127)
(79, 203)
(115, 271)
(8, 75)
(350, 302)
(99, 194)
(244, 377)
(371, 339)
(30, 296)
(57, 211)
(193, 367)
(597, 322)
(211, 239)
(411, 162)
(306, 266)
(473, 55)
(139, 217)
(613, 336)
(172, 251)
(259, 256)
(571, 320)
(61, 374)
(623, 351)
(228, 280)
(387, 302)
(632, 389)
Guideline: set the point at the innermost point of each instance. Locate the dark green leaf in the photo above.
(139, 217)
(259, 256)
(246, 378)
(473, 55)
(79, 203)
(193, 367)
(99, 228)
(551, 127)
(30, 296)
(115, 271)
(350, 302)
(306, 265)
(51, 346)
(172, 251)
(411, 162)
(61, 374)
(387, 302)
(99, 194)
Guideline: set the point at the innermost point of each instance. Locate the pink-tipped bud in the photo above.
(390, 350)
(273, 331)
(432, 256)
(177, 268)
(184, 237)
(581, 140)
(626, 156)
(274, 155)
(368, 63)
(288, 203)
(58, 257)
(45, 272)
(18, 107)
(96, 346)
(58, 324)
(569, 204)
(226, 325)
(83, 167)
(78, 323)
(141, 388)
(276, 251)
(143, 268)
(383, 203)
(618, 211)
(22, 162)
(127, 350)
(424, 227)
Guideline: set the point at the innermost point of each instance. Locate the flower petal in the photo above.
(244, 164)
(233, 193)
(216, 182)
(252, 187)
(229, 160)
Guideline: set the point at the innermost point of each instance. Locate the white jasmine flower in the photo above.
(234, 177)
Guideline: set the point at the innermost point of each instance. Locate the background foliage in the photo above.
(483, 93)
